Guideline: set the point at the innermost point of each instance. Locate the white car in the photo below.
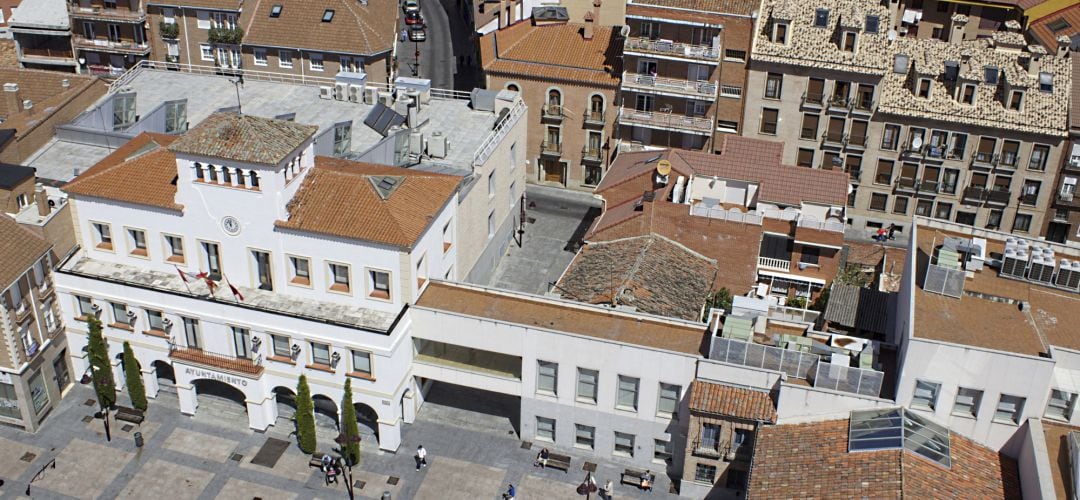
(410, 5)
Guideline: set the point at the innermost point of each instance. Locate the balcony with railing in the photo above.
(594, 118)
(984, 159)
(857, 141)
(666, 121)
(671, 48)
(104, 45)
(834, 138)
(1008, 160)
(976, 194)
(813, 100)
(1030, 199)
(106, 70)
(592, 154)
(1073, 163)
(1067, 199)
(929, 186)
(553, 113)
(907, 184)
(998, 196)
(215, 361)
(863, 104)
(699, 89)
(839, 102)
(709, 448)
(551, 148)
(114, 14)
(775, 264)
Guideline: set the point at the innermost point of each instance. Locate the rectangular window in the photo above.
(339, 278)
(967, 402)
(203, 19)
(1022, 223)
(155, 321)
(627, 393)
(38, 395)
(624, 444)
(491, 224)
(545, 429)
(1060, 405)
(342, 138)
(587, 385)
(491, 184)
(284, 59)
(206, 52)
(780, 33)
(281, 346)
(211, 259)
(925, 395)
(1039, 154)
(241, 342)
(967, 94)
(661, 450)
(821, 18)
(884, 172)
(9, 401)
(447, 237)
(176, 117)
(191, 333)
(735, 55)
(668, 404)
(878, 201)
(732, 91)
(379, 284)
(1009, 409)
(85, 306)
(809, 127)
(301, 270)
(103, 236)
(320, 354)
(315, 62)
(774, 83)
(361, 363)
(704, 473)
(943, 211)
(924, 88)
(547, 377)
(262, 269)
(769, 119)
(584, 436)
(923, 208)
(900, 205)
(805, 158)
(119, 313)
(175, 246)
(890, 137)
(849, 39)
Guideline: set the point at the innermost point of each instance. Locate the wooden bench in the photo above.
(633, 477)
(557, 461)
(130, 415)
(316, 459)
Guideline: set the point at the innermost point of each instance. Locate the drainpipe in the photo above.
(187, 40)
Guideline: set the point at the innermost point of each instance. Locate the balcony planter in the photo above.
(169, 31)
(229, 36)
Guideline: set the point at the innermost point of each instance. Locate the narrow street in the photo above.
(446, 54)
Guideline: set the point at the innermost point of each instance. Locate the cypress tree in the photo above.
(305, 416)
(134, 379)
(350, 431)
(100, 368)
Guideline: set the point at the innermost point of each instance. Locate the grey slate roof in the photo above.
(860, 308)
(246, 138)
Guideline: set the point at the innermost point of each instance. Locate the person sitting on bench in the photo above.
(646, 481)
(542, 458)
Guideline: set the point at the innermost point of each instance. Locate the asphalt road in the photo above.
(448, 50)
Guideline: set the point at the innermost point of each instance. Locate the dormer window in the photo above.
(275, 11)
(923, 90)
(872, 23)
(990, 75)
(821, 18)
(967, 94)
(1046, 82)
(952, 71)
(848, 42)
(780, 32)
(1016, 100)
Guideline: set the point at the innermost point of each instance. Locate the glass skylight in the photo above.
(896, 428)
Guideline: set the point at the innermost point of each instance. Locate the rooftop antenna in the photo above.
(238, 83)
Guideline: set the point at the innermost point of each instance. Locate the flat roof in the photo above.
(40, 14)
(564, 316)
(988, 315)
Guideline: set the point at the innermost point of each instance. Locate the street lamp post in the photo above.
(104, 411)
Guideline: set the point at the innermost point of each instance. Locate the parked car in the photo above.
(413, 17)
(417, 33)
(410, 6)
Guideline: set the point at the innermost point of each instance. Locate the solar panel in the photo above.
(381, 119)
(944, 281)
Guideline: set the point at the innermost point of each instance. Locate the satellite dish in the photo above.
(663, 167)
(916, 142)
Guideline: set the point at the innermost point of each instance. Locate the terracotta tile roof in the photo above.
(205, 4)
(142, 171)
(366, 28)
(246, 138)
(632, 174)
(554, 51)
(1057, 451)
(736, 7)
(730, 401)
(39, 86)
(20, 248)
(340, 198)
(650, 273)
(812, 461)
(1042, 33)
(562, 316)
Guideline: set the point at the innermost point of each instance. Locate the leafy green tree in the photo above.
(100, 368)
(305, 416)
(350, 432)
(134, 379)
(720, 299)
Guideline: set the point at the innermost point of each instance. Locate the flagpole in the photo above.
(231, 288)
(184, 279)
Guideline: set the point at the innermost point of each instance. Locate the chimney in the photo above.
(11, 99)
(1036, 53)
(1063, 46)
(957, 34)
(41, 200)
(587, 33)
(596, 11)
(1012, 26)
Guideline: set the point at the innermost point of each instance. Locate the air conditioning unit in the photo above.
(436, 146)
(387, 99)
(326, 92)
(355, 92)
(1068, 275)
(167, 323)
(95, 307)
(371, 95)
(340, 91)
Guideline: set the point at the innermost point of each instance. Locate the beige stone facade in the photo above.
(968, 131)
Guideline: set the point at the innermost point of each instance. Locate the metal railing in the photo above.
(670, 48)
(857, 140)
(594, 117)
(863, 104)
(104, 44)
(496, 136)
(553, 111)
(99, 12)
(834, 137)
(813, 99)
(248, 75)
(665, 120)
(984, 158)
(999, 196)
(592, 153)
(551, 148)
(709, 448)
(794, 363)
(769, 262)
(848, 379)
(214, 360)
(821, 225)
(700, 88)
(793, 314)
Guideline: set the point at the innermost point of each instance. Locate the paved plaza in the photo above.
(473, 455)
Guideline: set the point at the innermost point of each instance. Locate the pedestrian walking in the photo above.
(608, 488)
(404, 34)
(421, 457)
(510, 493)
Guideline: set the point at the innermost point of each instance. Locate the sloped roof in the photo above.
(246, 138)
(737, 7)
(554, 51)
(339, 198)
(143, 172)
(729, 401)
(650, 273)
(366, 28)
(857, 307)
(812, 461)
(20, 248)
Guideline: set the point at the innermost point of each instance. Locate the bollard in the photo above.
(138, 440)
(385, 495)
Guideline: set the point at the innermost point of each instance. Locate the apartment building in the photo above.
(7, 8)
(34, 369)
(109, 36)
(685, 69)
(42, 33)
(195, 33)
(567, 74)
(965, 130)
(1062, 220)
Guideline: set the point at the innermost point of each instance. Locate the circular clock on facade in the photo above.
(231, 225)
